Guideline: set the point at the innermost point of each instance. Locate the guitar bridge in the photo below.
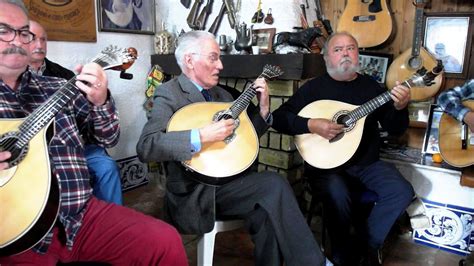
(363, 18)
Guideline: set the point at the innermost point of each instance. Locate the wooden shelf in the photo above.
(295, 66)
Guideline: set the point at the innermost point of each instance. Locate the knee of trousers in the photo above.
(403, 192)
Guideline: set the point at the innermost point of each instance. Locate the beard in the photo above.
(342, 68)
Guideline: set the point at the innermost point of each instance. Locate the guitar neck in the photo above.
(417, 32)
(369, 107)
(46, 112)
(41, 116)
(372, 105)
(242, 102)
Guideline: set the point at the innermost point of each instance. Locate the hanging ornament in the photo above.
(269, 18)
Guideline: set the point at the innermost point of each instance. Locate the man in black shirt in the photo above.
(342, 83)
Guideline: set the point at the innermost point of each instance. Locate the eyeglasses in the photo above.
(8, 34)
(213, 57)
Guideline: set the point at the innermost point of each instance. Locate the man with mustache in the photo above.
(264, 200)
(105, 174)
(86, 229)
(343, 83)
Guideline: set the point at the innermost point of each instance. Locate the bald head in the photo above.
(18, 3)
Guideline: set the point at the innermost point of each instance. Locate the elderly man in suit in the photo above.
(264, 200)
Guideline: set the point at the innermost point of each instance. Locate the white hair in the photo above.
(190, 42)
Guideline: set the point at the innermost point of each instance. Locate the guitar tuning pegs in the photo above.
(269, 18)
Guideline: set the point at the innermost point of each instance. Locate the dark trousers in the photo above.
(394, 195)
(267, 203)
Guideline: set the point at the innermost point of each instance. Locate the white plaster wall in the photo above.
(129, 94)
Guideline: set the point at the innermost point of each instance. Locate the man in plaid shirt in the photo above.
(451, 102)
(86, 228)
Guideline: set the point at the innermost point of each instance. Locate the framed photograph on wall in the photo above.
(374, 65)
(431, 140)
(448, 38)
(71, 21)
(263, 38)
(130, 16)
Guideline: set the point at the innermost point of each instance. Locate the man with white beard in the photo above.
(364, 170)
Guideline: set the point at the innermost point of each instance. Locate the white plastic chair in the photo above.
(205, 248)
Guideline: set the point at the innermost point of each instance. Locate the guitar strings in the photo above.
(42, 114)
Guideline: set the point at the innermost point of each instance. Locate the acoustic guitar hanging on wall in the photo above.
(413, 59)
(369, 22)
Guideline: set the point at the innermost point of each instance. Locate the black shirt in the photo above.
(356, 92)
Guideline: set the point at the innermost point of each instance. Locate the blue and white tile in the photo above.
(451, 230)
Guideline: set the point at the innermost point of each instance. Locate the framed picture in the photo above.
(263, 38)
(431, 140)
(448, 38)
(71, 21)
(374, 65)
(131, 16)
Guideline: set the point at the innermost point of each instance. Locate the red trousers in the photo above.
(116, 235)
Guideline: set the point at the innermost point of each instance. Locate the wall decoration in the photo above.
(263, 38)
(131, 16)
(133, 173)
(374, 65)
(65, 20)
(448, 37)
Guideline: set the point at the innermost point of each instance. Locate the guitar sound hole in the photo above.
(8, 143)
(227, 115)
(415, 62)
(343, 120)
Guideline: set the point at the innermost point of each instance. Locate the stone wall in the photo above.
(278, 152)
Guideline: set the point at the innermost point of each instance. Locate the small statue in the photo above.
(163, 41)
(243, 40)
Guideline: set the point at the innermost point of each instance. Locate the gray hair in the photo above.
(342, 33)
(18, 3)
(190, 42)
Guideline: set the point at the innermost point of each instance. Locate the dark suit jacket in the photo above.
(189, 205)
(56, 70)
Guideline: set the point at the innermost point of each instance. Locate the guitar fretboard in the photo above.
(241, 103)
(421, 78)
(46, 112)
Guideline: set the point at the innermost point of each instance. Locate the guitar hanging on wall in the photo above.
(28, 193)
(220, 161)
(326, 154)
(369, 22)
(413, 59)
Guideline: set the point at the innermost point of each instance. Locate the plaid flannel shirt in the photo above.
(451, 100)
(66, 150)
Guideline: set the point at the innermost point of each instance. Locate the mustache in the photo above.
(39, 51)
(345, 59)
(15, 50)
